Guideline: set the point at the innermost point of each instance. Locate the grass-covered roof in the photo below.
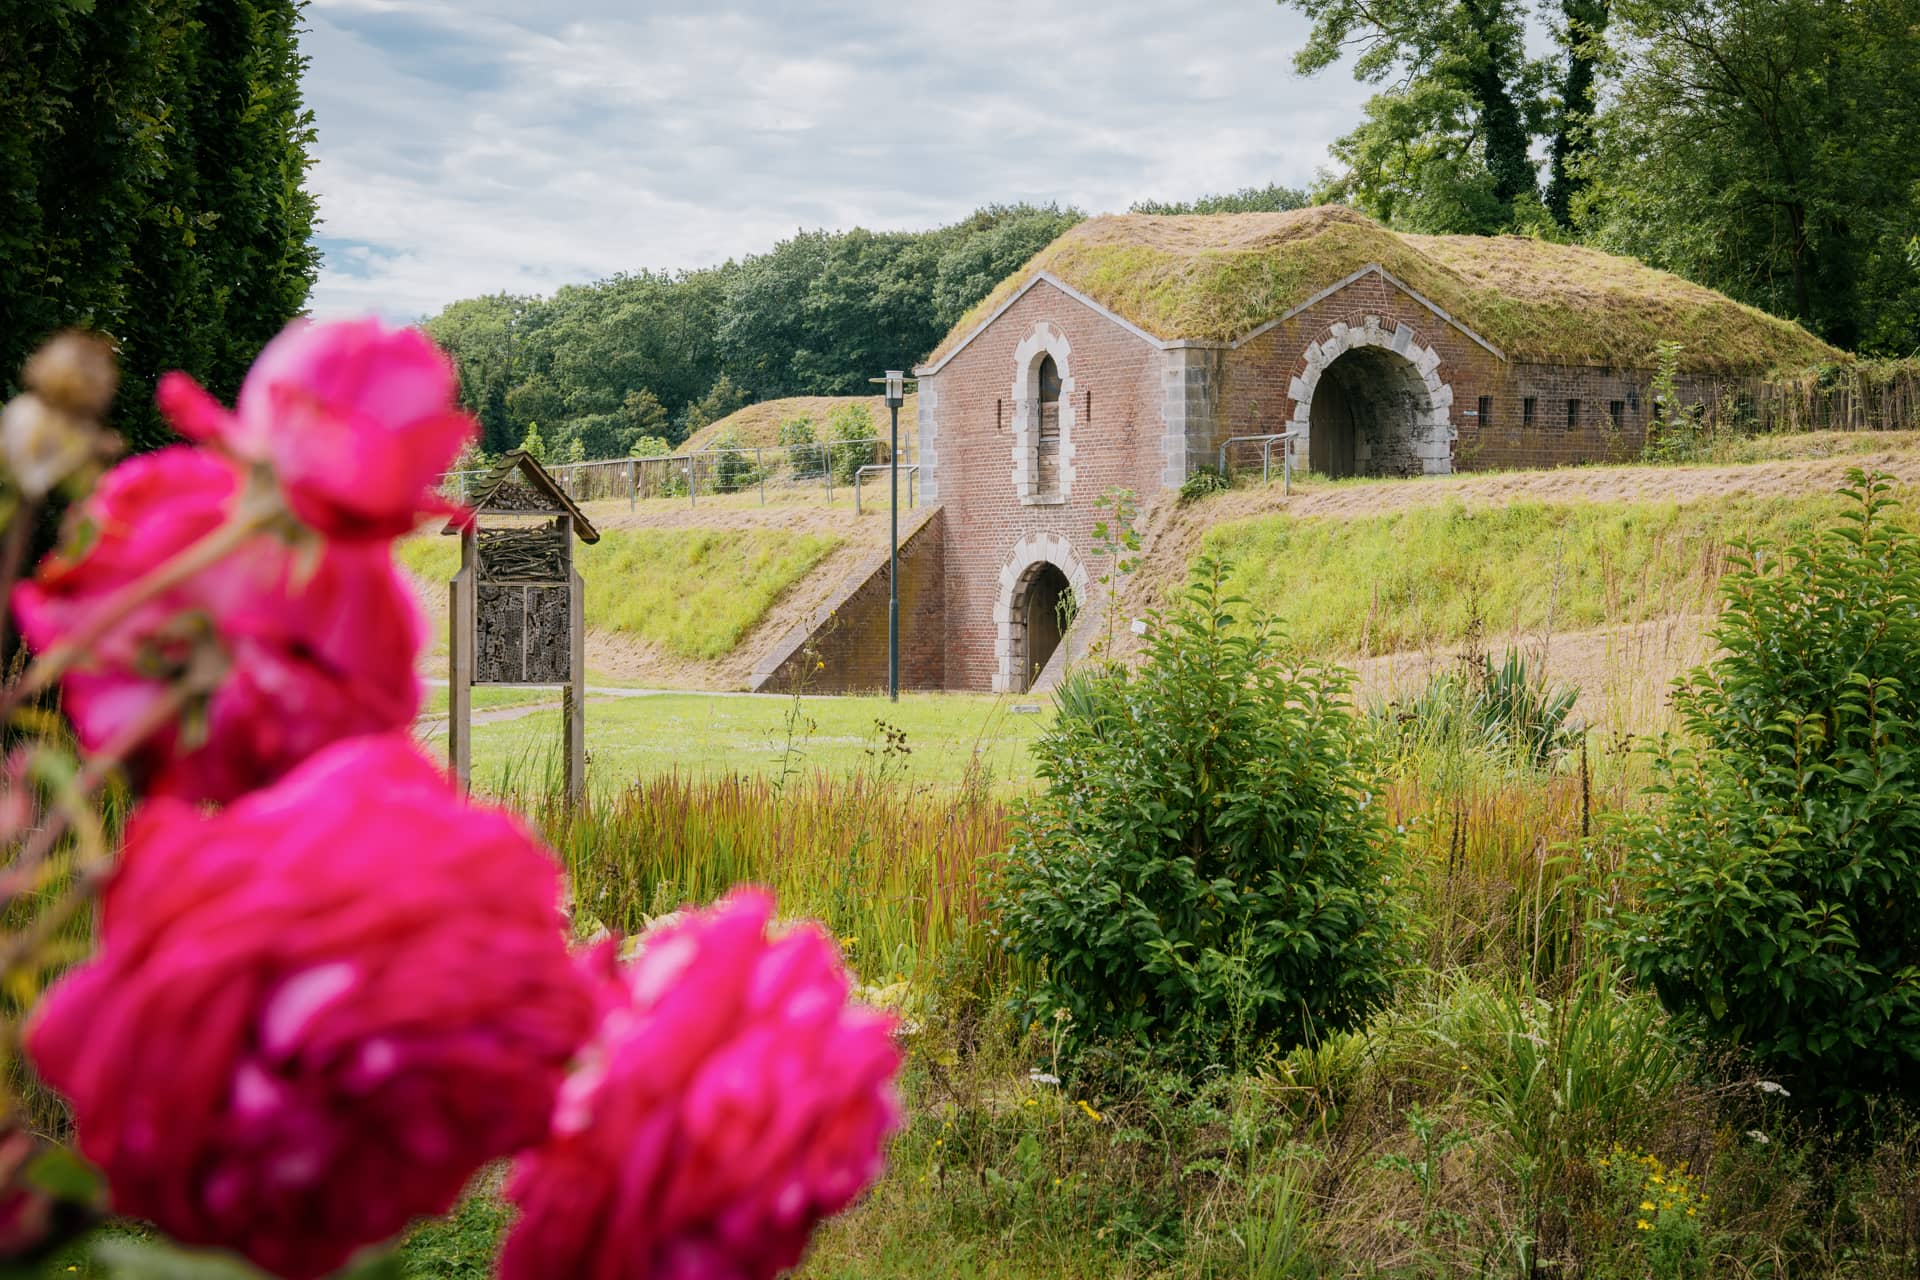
(1218, 277)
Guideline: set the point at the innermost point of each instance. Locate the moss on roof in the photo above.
(1216, 278)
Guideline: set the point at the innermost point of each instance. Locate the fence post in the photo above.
(693, 482)
(633, 483)
(828, 470)
(856, 490)
(760, 466)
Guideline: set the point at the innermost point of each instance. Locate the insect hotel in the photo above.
(517, 607)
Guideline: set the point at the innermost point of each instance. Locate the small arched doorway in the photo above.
(1043, 609)
(1371, 411)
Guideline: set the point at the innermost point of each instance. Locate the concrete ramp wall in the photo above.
(842, 647)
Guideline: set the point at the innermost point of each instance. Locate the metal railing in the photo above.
(794, 469)
(910, 471)
(1266, 443)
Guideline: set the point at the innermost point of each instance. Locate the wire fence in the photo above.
(826, 469)
(1845, 401)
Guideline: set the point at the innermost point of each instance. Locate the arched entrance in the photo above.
(1043, 604)
(1373, 402)
(1368, 415)
(1042, 585)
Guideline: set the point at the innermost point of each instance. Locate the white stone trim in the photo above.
(1041, 341)
(1030, 551)
(1044, 277)
(928, 455)
(1434, 434)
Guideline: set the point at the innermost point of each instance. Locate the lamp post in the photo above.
(896, 392)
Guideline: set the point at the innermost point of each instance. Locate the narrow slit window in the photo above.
(1573, 415)
(1526, 411)
(1617, 410)
(1046, 453)
(1486, 410)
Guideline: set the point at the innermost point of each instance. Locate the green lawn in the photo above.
(694, 592)
(1418, 577)
(716, 733)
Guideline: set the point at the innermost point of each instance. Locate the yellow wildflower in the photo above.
(1646, 1206)
(1091, 1113)
(1643, 1224)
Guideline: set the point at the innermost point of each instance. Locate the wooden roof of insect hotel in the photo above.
(518, 485)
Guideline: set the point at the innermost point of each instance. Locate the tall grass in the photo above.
(896, 872)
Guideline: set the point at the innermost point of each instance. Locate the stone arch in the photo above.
(1024, 571)
(1389, 387)
(1042, 341)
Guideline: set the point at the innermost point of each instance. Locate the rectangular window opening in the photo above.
(1526, 411)
(1486, 410)
(1617, 410)
(1573, 415)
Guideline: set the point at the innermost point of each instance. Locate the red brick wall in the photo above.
(847, 649)
(1119, 396)
(1116, 442)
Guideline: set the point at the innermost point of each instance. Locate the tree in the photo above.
(1765, 148)
(644, 414)
(1272, 198)
(155, 158)
(722, 398)
(1468, 99)
(1584, 24)
(532, 444)
(987, 248)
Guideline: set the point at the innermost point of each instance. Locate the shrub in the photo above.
(733, 463)
(1507, 710)
(802, 443)
(649, 447)
(1779, 886)
(850, 428)
(1208, 866)
(1204, 480)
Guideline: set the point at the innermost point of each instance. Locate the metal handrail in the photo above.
(1266, 443)
(912, 469)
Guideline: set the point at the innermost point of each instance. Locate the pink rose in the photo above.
(357, 420)
(731, 1099)
(313, 1015)
(321, 642)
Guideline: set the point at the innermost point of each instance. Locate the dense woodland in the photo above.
(153, 160)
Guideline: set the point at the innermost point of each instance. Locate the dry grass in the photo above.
(758, 425)
(1219, 277)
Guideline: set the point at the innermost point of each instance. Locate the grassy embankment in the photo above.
(693, 592)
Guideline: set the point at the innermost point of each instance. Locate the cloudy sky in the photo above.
(472, 146)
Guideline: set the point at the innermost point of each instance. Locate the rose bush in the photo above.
(356, 419)
(320, 643)
(312, 1016)
(731, 1099)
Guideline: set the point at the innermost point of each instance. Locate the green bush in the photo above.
(1208, 867)
(805, 458)
(734, 466)
(850, 428)
(1778, 886)
(649, 447)
(1204, 480)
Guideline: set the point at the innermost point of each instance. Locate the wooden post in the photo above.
(574, 713)
(633, 483)
(460, 665)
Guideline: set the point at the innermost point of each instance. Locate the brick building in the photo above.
(1133, 348)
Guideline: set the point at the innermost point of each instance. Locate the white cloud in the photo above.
(473, 147)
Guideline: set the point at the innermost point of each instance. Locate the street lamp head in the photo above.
(895, 384)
